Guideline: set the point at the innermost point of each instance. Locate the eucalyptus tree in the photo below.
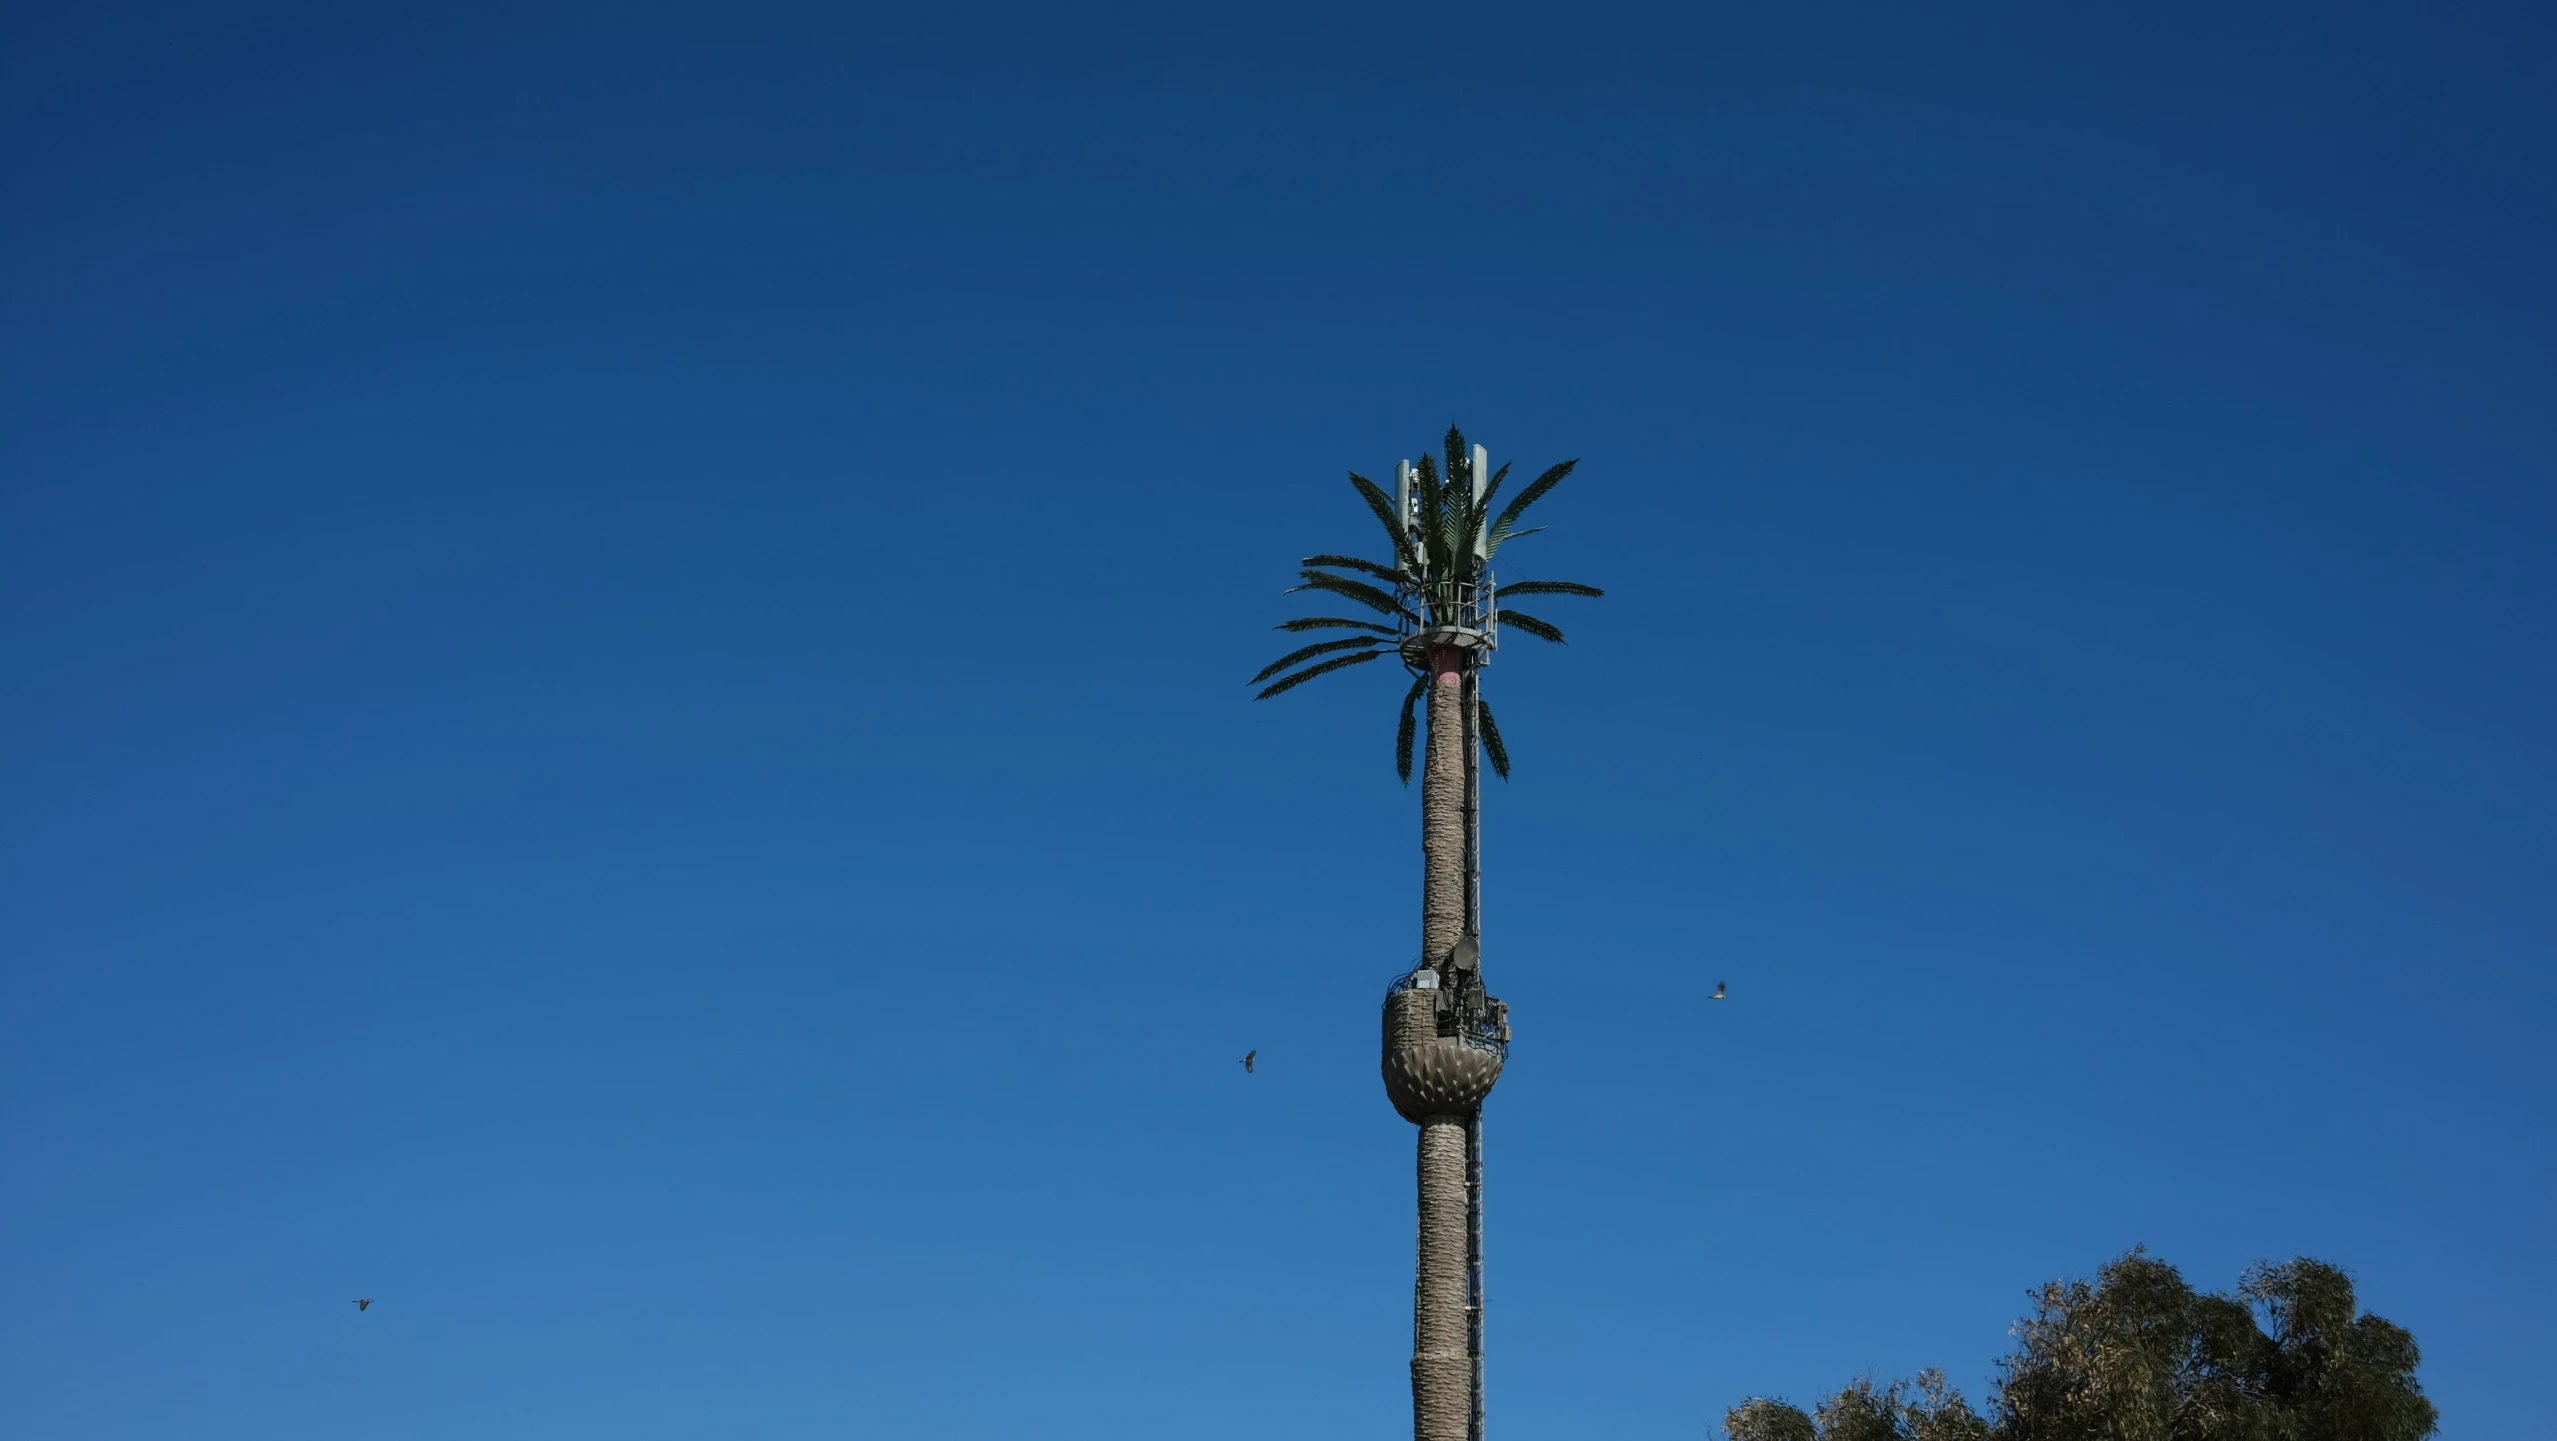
(2139, 1355)
(1434, 604)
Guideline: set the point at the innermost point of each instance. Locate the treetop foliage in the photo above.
(2138, 1355)
(1441, 552)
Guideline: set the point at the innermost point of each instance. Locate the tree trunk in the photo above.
(1443, 809)
(1442, 1372)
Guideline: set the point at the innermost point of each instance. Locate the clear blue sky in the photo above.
(624, 718)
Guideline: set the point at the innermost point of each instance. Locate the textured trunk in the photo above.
(1442, 1373)
(1443, 810)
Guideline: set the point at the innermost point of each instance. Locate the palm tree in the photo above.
(1445, 1035)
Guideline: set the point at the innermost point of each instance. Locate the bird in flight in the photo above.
(1247, 1061)
(362, 1302)
(1719, 988)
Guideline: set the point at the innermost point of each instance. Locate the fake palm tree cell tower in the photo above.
(1445, 1036)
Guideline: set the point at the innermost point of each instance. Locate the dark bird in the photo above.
(1247, 1061)
(1718, 992)
(363, 1302)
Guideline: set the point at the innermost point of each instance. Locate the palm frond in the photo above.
(1532, 494)
(1549, 587)
(1408, 730)
(1433, 515)
(1292, 657)
(1351, 562)
(1332, 622)
(1502, 534)
(1365, 594)
(1301, 677)
(1465, 513)
(1383, 505)
(1492, 747)
(1542, 630)
(1452, 494)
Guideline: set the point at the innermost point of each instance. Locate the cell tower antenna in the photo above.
(1482, 482)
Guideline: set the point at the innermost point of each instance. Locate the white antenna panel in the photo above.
(1482, 482)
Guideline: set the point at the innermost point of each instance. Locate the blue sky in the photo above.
(623, 681)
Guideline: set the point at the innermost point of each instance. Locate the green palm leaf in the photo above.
(1460, 499)
(1301, 677)
(1351, 562)
(1542, 630)
(1365, 594)
(1405, 733)
(1452, 495)
(1332, 622)
(1549, 587)
(1491, 737)
(1532, 494)
(1292, 657)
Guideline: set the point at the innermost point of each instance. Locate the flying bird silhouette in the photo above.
(362, 1302)
(1718, 992)
(1247, 1061)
